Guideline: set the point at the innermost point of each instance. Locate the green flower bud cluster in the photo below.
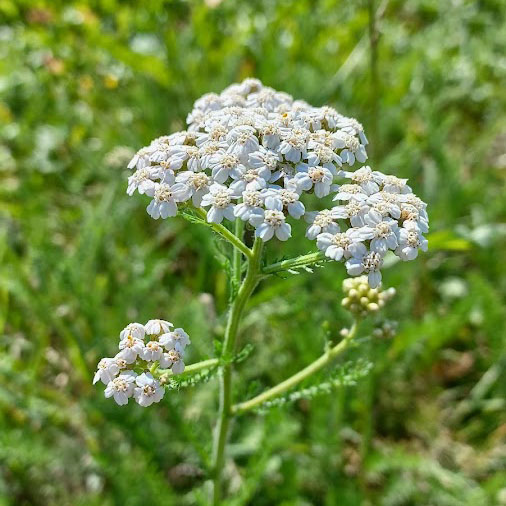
(360, 299)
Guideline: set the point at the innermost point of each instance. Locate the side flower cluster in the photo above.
(142, 349)
(252, 153)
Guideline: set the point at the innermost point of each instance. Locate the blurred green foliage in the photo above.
(83, 83)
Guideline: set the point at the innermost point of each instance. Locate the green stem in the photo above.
(289, 383)
(248, 285)
(293, 263)
(225, 233)
(198, 366)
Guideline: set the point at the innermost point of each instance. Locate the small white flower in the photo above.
(121, 388)
(131, 348)
(220, 199)
(269, 223)
(353, 150)
(157, 327)
(368, 262)
(249, 179)
(410, 241)
(340, 245)
(173, 359)
(198, 184)
(381, 231)
(393, 184)
(280, 199)
(107, 369)
(324, 156)
(321, 221)
(252, 203)
(148, 390)
(365, 178)
(178, 339)
(223, 164)
(164, 203)
(142, 180)
(293, 145)
(152, 351)
(136, 330)
(354, 210)
(318, 178)
(271, 135)
(350, 191)
(242, 141)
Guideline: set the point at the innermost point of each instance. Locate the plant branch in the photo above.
(294, 263)
(289, 383)
(225, 233)
(198, 366)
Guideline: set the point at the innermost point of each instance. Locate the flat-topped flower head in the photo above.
(252, 153)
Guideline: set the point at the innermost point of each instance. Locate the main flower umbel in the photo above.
(251, 153)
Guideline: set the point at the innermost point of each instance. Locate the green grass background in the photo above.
(83, 82)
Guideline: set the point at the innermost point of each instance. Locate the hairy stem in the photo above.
(220, 438)
(289, 383)
(294, 263)
(226, 234)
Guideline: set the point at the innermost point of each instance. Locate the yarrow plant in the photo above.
(247, 160)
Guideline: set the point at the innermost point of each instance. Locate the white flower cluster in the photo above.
(251, 152)
(128, 373)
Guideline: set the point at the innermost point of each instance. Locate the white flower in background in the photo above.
(252, 203)
(321, 221)
(157, 327)
(369, 263)
(121, 388)
(107, 369)
(131, 348)
(136, 330)
(352, 127)
(269, 223)
(173, 359)
(178, 339)
(148, 390)
(152, 351)
(220, 199)
(341, 245)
